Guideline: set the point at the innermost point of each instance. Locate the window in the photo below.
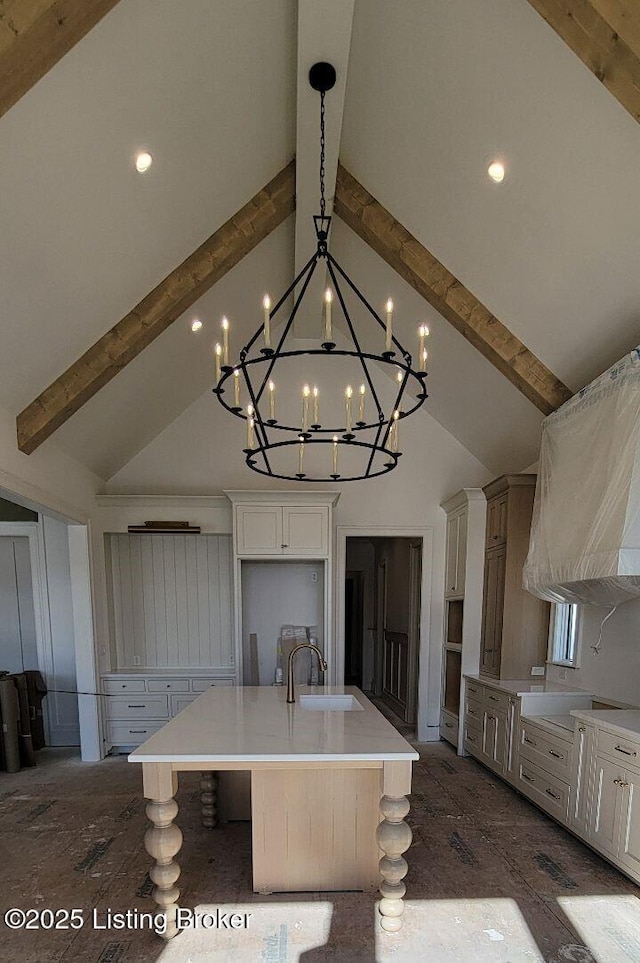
(563, 635)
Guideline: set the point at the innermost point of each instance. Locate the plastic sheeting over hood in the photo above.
(585, 532)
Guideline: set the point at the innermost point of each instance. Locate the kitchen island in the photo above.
(329, 780)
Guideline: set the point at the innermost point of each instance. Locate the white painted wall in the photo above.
(62, 707)
(48, 478)
(615, 672)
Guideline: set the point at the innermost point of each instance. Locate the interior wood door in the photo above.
(492, 611)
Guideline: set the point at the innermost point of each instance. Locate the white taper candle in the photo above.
(389, 307)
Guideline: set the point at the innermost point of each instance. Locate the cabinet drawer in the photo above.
(134, 707)
(473, 737)
(474, 690)
(449, 727)
(624, 751)
(123, 685)
(130, 733)
(545, 790)
(552, 755)
(168, 685)
(474, 712)
(201, 685)
(496, 700)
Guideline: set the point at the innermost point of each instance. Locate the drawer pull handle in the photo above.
(137, 707)
(552, 794)
(472, 712)
(494, 698)
(624, 751)
(530, 742)
(137, 732)
(448, 725)
(470, 738)
(471, 689)
(556, 755)
(528, 778)
(620, 782)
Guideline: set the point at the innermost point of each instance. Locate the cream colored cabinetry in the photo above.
(282, 530)
(581, 761)
(488, 727)
(614, 824)
(466, 513)
(544, 768)
(456, 553)
(137, 706)
(515, 624)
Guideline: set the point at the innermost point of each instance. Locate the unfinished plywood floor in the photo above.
(490, 878)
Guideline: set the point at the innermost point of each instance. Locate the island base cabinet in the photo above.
(315, 829)
(616, 815)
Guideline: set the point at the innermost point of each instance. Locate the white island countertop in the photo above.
(623, 722)
(255, 724)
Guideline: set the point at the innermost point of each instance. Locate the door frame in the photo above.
(34, 533)
(344, 532)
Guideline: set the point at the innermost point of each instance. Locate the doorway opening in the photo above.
(382, 609)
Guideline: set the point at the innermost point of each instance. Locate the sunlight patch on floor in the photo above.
(609, 925)
(442, 931)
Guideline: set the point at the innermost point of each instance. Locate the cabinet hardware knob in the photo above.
(494, 537)
(625, 752)
(552, 794)
(582, 729)
(617, 782)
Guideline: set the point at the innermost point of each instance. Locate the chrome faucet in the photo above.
(303, 645)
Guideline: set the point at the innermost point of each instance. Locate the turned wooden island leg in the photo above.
(209, 798)
(163, 840)
(394, 838)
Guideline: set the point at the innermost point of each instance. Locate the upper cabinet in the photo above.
(283, 523)
(456, 553)
(515, 624)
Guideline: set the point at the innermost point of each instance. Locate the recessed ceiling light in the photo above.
(144, 160)
(496, 171)
(196, 325)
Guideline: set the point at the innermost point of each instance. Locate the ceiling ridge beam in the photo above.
(431, 279)
(157, 311)
(35, 35)
(605, 35)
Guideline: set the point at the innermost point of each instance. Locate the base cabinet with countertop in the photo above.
(613, 805)
(581, 765)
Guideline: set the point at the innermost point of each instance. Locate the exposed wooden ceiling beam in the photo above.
(35, 35)
(605, 35)
(375, 225)
(153, 315)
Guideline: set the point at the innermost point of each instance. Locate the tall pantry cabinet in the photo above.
(515, 624)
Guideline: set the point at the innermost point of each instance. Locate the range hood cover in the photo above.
(585, 532)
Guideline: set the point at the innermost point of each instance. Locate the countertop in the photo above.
(255, 724)
(527, 686)
(624, 722)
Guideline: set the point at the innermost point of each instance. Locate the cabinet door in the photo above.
(456, 555)
(497, 521)
(495, 739)
(580, 772)
(492, 609)
(259, 530)
(630, 824)
(607, 801)
(305, 531)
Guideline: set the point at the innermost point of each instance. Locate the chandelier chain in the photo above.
(322, 171)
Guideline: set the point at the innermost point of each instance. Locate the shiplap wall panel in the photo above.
(172, 599)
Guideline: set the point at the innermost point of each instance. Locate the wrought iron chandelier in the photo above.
(334, 435)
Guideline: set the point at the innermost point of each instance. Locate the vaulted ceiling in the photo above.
(432, 91)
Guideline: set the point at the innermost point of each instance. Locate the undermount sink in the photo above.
(329, 703)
